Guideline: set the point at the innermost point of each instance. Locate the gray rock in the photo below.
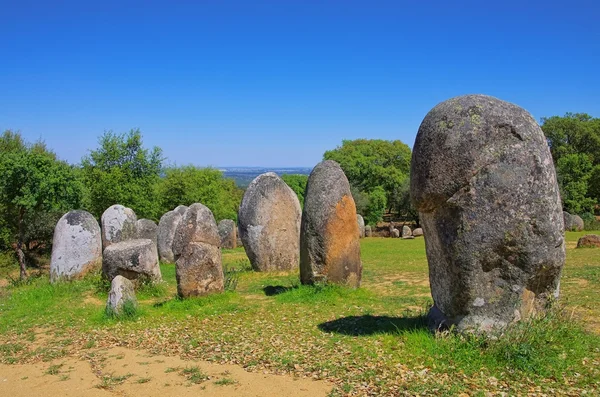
(395, 233)
(577, 224)
(146, 228)
(121, 292)
(368, 231)
(228, 234)
(361, 226)
(406, 232)
(180, 209)
(589, 241)
(199, 270)
(132, 259)
(197, 225)
(269, 223)
(568, 221)
(329, 243)
(166, 232)
(484, 184)
(76, 246)
(118, 224)
(418, 232)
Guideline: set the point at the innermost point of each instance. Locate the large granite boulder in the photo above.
(118, 224)
(484, 184)
(589, 241)
(361, 226)
(329, 242)
(228, 233)
(196, 244)
(133, 259)
(166, 232)
(269, 222)
(146, 228)
(121, 294)
(76, 246)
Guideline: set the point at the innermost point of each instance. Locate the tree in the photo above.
(189, 184)
(376, 207)
(35, 189)
(122, 171)
(574, 141)
(297, 182)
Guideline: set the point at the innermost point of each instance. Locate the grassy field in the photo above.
(368, 341)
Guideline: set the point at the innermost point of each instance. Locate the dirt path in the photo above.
(125, 372)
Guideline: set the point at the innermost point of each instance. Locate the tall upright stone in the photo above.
(118, 224)
(329, 240)
(269, 223)
(198, 267)
(76, 246)
(166, 232)
(361, 226)
(228, 233)
(483, 181)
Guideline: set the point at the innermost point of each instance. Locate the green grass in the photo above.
(374, 335)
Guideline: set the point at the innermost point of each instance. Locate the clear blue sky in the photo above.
(276, 83)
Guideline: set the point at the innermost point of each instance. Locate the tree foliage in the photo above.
(297, 183)
(122, 171)
(574, 141)
(189, 184)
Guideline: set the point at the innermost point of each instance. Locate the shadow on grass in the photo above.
(272, 290)
(370, 325)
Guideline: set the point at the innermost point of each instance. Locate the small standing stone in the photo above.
(118, 224)
(589, 241)
(361, 226)
(228, 234)
(406, 232)
(329, 247)
(368, 231)
(76, 246)
(577, 224)
(395, 233)
(121, 292)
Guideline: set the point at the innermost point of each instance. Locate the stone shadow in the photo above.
(272, 290)
(370, 325)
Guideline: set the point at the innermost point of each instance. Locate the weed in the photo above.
(194, 375)
(143, 380)
(54, 369)
(225, 382)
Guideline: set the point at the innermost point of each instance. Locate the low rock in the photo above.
(76, 247)
(589, 241)
(577, 224)
(121, 294)
(408, 237)
(395, 233)
(417, 232)
(133, 259)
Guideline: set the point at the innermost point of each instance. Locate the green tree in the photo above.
(35, 189)
(297, 182)
(574, 141)
(122, 171)
(376, 207)
(189, 184)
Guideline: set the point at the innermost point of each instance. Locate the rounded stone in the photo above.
(269, 224)
(577, 224)
(329, 244)
(418, 232)
(368, 231)
(146, 228)
(76, 246)
(361, 226)
(121, 292)
(166, 232)
(589, 241)
(199, 271)
(228, 234)
(118, 224)
(132, 259)
(197, 225)
(483, 181)
(406, 232)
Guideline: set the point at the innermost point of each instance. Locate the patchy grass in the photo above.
(368, 341)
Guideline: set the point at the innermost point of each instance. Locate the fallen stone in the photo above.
(589, 241)
(135, 260)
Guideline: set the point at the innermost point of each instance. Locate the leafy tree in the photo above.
(574, 141)
(188, 184)
(297, 183)
(377, 206)
(122, 171)
(35, 189)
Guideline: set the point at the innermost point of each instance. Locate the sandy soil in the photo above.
(146, 375)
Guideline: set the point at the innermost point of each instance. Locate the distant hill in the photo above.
(244, 175)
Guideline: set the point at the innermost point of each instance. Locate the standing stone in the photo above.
(269, 223)
(361, 226)
(166, 232)
(198, 267)
(395, 233)
(568, 220)
(329, 243)
(589, 241)
(228, 234)
(76, 246)
(406, 232)
(121, 292)
(577, 224)
(368, 231)
(417, 232)
(118, 224)
(145, 228)
(133, 259)
(484, 184)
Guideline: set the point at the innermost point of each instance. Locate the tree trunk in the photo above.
(20, 254)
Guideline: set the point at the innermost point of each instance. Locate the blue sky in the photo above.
(276, 83)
